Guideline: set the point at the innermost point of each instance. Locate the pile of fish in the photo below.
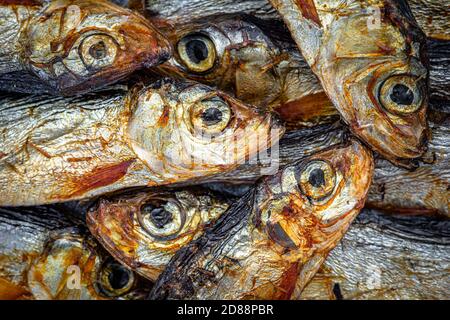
(224, 149)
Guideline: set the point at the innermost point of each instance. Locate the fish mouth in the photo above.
(162, 56)
(396, 148)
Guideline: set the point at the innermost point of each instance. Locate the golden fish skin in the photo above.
(275, 235)
(235, 55)
(46, 254)
(145, 230)
(61, 149)
(69, 47)
(370, 58)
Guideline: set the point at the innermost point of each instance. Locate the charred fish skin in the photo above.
(387, 257)
(72, 47)
(371, 60)
(80, 147)
(145, 230)
(277, 233)
(43, 250)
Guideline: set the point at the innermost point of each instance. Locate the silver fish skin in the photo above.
(67, 47)
(62, 149)
(41, 246)
(386, 257)
(432, 17)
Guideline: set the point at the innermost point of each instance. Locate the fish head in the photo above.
(182, 130)
(145, 230)
(376, 75)
(75, 46)
(303, 212)
(309, 204)
(230, 53)
(276, 236)
(73, 267)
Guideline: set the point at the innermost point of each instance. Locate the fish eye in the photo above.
(317, 180)
(161, 219)
(98, 51)
(115, 280)
(211, 116)
(401, 95)
(197, 52)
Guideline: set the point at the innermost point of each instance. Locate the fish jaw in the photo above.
(97, 44)
(268, 239)
(162, 134)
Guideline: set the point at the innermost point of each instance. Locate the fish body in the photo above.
(371, 60)
(145, 230)
(61, 149)
(277, 234)
(69, 47)
(47, 255)
(386, 257)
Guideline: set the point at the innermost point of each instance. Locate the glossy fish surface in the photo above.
(145, 230)
(386, 257)
(61, 149)
(370, 57)
(69, 47)
(47, 255)
(275, 235)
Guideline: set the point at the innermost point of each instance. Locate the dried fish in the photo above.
(47, 254)
(144, 230)
(61, 149)
(431, 15)
(275, 235)
(68, 47)
(387, 257)
(257, 62)
(233, 54)
(371, 60)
